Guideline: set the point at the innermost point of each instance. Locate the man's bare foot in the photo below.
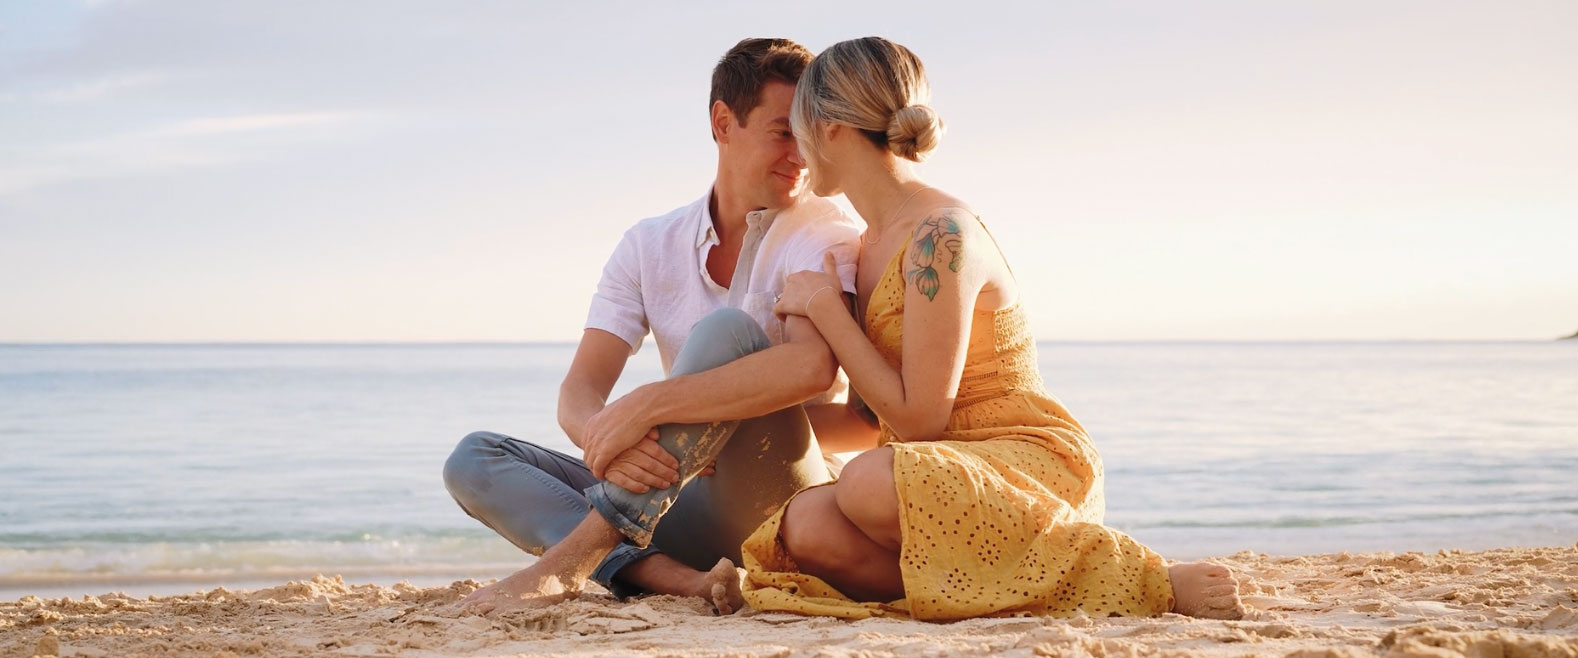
(722, 585)
(532, 587)
(1203, 589)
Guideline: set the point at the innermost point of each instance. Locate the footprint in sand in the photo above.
(603, 619)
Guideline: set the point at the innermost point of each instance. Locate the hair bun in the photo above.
(914, 132)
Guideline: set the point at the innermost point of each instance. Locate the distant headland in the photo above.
(1575, 335)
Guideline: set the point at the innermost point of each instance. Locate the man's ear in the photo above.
(722, 122)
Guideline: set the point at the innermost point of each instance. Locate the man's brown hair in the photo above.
(738, 78)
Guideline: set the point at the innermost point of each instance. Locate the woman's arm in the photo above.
(942, 282)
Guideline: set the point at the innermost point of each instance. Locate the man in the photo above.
(703, 279)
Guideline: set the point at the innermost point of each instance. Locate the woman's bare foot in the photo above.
(722, 585)
(1203, 589)
(532, 587)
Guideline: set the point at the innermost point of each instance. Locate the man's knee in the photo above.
(722, 336)
(463, 472)
(729, 324)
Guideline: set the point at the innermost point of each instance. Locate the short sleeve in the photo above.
(833, 232)
(616, 306)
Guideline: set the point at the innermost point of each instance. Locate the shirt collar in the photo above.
(705, 234)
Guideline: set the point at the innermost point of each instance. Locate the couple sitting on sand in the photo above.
(976, 493)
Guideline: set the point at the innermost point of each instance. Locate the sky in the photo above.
(279, 171)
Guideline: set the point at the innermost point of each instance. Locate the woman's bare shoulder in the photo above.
(951, 243)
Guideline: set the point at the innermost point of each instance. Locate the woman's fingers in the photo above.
(790, 302)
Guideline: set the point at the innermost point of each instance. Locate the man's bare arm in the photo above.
(599, 360)
(754, 385)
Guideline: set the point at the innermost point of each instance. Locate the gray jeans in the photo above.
(534, 496)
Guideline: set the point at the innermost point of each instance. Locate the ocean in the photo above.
(165, 468)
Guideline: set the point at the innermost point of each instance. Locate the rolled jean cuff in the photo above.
(635, 524)
(622, 556)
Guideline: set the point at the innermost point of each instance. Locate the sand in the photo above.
(1508, 602)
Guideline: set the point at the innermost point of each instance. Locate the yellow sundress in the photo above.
(1000, 516)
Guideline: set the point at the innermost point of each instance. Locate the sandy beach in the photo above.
(1503, 602)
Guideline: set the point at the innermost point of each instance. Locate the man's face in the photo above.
(763, 153)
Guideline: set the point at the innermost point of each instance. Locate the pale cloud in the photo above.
(195, 142)
(254, 122)
(101, 88)
(24, 177)
(1230, 166)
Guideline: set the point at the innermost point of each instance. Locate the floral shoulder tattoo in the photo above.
(932, 234)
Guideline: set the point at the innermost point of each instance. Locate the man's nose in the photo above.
(794, 155)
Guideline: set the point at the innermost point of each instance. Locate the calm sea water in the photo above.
(127, 467)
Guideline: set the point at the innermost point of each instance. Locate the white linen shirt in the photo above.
(657, 277)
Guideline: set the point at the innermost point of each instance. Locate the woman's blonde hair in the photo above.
(872, 85)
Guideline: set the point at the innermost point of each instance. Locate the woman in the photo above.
(984, 496)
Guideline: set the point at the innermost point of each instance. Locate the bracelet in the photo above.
(812, 298)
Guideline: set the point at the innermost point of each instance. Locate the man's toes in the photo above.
(725, 566)
(725, 587)
(720, 599)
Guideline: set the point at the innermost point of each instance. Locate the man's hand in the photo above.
(644, 467)
(612, 431)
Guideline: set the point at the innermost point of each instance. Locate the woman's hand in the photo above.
(802, 289)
